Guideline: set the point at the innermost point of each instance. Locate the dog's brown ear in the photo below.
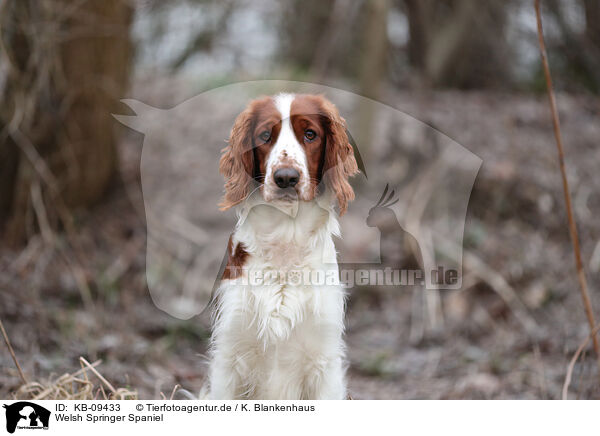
(237, 160)
(339, 162)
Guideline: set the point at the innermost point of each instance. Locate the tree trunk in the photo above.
(68, 64)
(448, 40)
(373, 72)
(418, 16)
(592, 21)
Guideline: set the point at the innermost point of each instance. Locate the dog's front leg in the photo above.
(224, 380)
(234, 357)
(320, 361)
(332, 385)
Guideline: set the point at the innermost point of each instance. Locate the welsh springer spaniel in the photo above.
(279, 310)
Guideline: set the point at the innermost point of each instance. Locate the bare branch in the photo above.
(565, 390)
(561, 160)
(12, 353)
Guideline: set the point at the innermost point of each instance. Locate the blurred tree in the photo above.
(64, 65)
(373, 71)
(576, 50)
(324, 38)
(374, 48)
(592, 21)
(206, 36)
(334, 35)
(458, 43)
(454, 43)
(302, 25)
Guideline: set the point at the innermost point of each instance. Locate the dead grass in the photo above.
(85, 384)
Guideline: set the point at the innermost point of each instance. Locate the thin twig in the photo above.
(537, 356)
(40, 212)
(573, 361)
(12, 353)
(97, 374)
(561, 160)
(82, 370)
(173, 392)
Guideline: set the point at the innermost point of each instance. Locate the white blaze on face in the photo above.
(287, 151)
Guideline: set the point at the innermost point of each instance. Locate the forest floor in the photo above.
(478, 348)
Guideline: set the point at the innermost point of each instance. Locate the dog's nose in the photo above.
(286, 177)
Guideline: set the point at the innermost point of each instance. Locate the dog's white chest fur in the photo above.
(278, 327)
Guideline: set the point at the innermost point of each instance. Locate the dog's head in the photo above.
(290, 147)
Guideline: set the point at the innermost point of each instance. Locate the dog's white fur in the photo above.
(281, 338)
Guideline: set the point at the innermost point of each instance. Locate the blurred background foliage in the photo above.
(65, 63)
(72, 224)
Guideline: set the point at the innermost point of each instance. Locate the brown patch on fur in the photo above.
(235, 260)
(304, 114)
(339, 163)
(244, 159)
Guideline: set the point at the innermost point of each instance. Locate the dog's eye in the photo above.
(310, 135)
(265, 136)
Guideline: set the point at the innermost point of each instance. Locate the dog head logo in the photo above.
(26, 415)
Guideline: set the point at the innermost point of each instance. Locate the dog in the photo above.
(277, 332)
